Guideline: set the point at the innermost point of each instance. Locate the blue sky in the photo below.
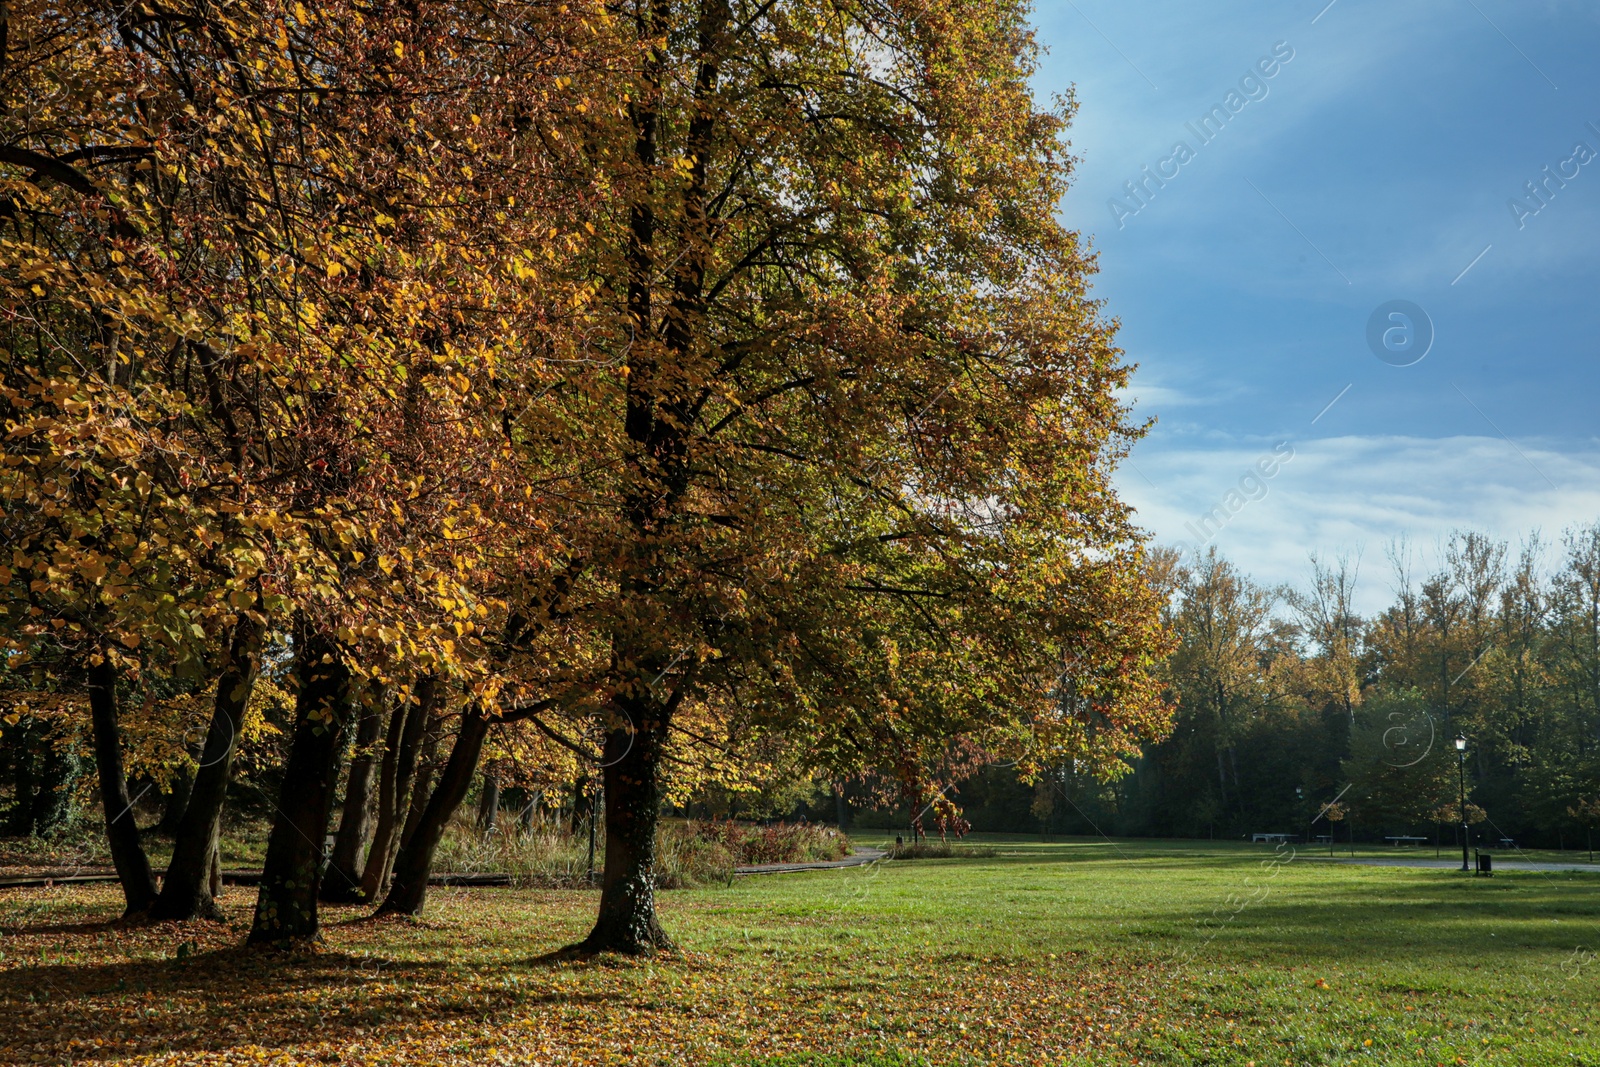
(1375, 165)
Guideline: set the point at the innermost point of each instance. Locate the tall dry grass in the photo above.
(688, 852)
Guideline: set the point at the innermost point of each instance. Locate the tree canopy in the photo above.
(661, 394)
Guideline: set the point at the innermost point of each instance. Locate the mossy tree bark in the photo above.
(627, 920)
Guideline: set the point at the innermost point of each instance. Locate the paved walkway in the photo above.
(858, 858)
(1499, 864)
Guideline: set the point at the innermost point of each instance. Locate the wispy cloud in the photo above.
(1349, 492)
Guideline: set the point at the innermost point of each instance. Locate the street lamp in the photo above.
(1461, 775)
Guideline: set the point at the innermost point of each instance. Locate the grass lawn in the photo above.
(1066, 952)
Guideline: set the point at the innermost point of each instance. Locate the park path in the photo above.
(81, 876)
(858, 858)
(1499, 864)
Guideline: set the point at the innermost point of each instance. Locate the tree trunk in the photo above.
(627, 921)
(342, 883)
(409, 892)
(216, 873)
(386, 834)
(529, 809)
(187, 892)
(657, 420)
(19, 742)
(1222, 782)
(422, 780)
(405, 735)
(122, 830)
(177, 800)
(292, 874)
(489, 804)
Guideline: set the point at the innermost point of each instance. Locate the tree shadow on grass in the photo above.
(84, 926)
(236, 996)
(1441, 921)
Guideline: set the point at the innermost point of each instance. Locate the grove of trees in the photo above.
(635, 399)
(1296, 714)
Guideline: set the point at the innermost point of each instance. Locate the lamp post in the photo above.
(1461, 776)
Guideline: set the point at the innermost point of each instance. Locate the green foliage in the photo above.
(1401, 769)
(1289, 700)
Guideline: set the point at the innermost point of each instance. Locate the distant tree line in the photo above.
(1297, 714)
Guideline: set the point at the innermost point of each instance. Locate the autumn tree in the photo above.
(246, 323)
(123, 513)
(1333, 630)
(1231, 670)
(852, 410)
(673, 379)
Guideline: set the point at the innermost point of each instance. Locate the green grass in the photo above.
(1066, 952)
(1306, 962)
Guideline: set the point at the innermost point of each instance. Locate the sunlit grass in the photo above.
(1064, 952)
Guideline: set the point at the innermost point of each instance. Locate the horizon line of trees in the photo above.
(1297, 714)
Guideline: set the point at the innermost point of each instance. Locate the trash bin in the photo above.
(1485, 863)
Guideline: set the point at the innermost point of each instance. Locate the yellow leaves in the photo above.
(399, 50)
(521, 267)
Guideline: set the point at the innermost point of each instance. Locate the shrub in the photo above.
(688, 852)
(938, 850)
(545, 856)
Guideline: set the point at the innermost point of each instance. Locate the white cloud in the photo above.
(1150, 398)
(1347, 494)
